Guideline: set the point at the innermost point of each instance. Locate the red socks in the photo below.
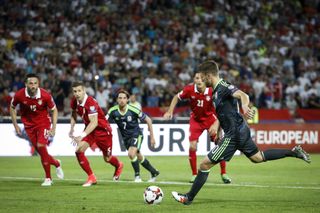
(114, 161)
(223, 167)
(47, 160)
(193, 161)
(84, 163)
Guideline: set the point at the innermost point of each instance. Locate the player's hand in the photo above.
(71, 134)
(77, 139)
(248, 112)
(18, 130)
(52, 132)
(167, 116)
(152, 141)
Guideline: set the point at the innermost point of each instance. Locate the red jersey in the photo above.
(34, 110)
(90, 106)
(200, 103)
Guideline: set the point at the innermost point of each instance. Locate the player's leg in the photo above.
(84, 163)
(251, 150)
(104, 142)
(195, 130)
(147, 165)
(132, 153)
(198, 183)
(223, 150)
(39, 141)
(275, 154)
(193, 159)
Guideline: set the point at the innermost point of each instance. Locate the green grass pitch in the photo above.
(287, 185)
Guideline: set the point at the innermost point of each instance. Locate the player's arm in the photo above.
(73, 121)
(168, 115)
(13, 114)
(54, 112)
(150, 128)
(247, 111)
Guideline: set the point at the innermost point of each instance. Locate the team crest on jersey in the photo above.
(92, 109)
(129, 118)
(231, 87)
(40, 102)
(215, 95)
(208, 98)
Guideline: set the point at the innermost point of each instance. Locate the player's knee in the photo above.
(257, 158)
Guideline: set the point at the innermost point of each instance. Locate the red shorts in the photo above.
(38, 135)
(196, 128)
(103, 139)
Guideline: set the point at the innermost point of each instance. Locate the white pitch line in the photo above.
(174, 183)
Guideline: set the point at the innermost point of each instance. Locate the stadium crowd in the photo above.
(269, 49)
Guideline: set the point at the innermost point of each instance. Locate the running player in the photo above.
(97, 130)
(34, 105)
(127, 118)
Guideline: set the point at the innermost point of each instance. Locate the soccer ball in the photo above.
(153, 195)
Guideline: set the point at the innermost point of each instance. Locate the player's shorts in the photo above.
(38, 135)
(103, 139)
(134, 141)
(196, 128)
(231, 143)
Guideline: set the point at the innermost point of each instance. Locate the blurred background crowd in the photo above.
(269, 48)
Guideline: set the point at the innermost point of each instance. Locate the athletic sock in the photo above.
(193, 161)
(45, 161)
(84, 163)
(274, 154)
(223, 167)
(197, 184)
(135, 165)
(114, 161)
(146, 164)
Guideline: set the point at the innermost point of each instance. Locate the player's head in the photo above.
(78, 90)
(123, 97)
(209, 70)
(32, 83)
(198, 80)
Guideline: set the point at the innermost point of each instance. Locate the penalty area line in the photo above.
(168, 183)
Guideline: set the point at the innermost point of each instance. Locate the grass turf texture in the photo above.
(288, 185)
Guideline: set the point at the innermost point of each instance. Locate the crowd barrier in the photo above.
(171, 139)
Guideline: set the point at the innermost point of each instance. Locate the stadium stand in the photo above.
(270, 49)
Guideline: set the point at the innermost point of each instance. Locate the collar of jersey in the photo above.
(217, 84)
(124, 111)
(84, 100)
(38, 94)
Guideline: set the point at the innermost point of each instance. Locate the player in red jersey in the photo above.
(34, 104)
(97, 130)
(202, 118)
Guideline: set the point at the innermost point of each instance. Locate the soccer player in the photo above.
(202, 118)
(97, 130)
(237, 132)
(34, 104)
(127, 118)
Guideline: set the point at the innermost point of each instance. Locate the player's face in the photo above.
(79, 93)
(198, 81)
(207, 79)
(32, 85)
(122, 99)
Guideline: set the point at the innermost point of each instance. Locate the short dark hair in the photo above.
(124, 92)
(77, 83)
(209, 66)
(31, 75)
